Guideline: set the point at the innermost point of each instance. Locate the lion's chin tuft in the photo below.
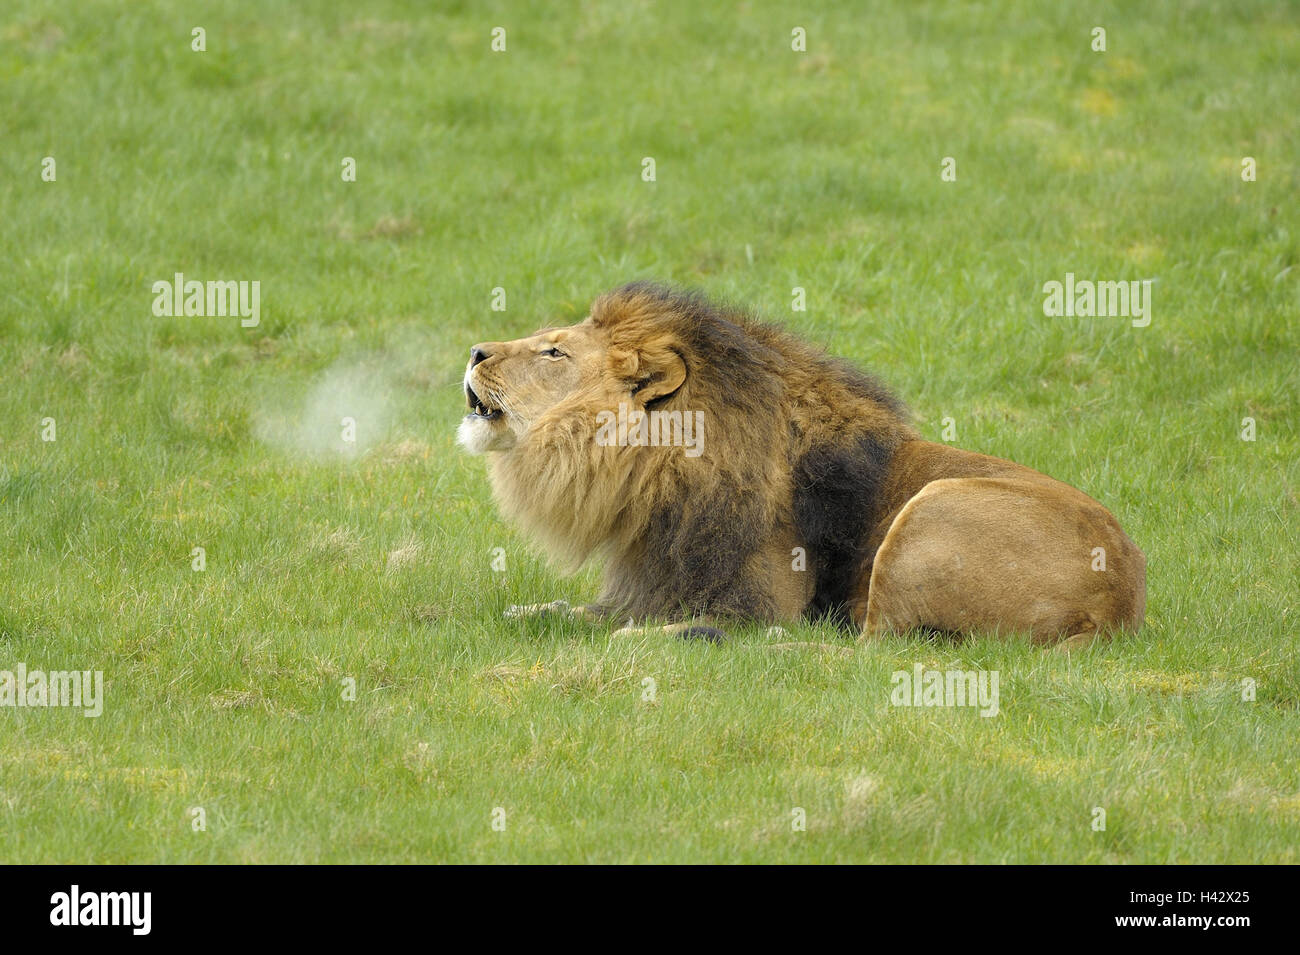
(479, 434)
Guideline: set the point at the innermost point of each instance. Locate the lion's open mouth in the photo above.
(478, 407)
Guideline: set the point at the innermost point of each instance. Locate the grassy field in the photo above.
(330, 564)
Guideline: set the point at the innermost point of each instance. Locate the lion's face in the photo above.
(555, 383)
(509, 385)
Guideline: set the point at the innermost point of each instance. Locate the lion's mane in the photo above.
(794, 439)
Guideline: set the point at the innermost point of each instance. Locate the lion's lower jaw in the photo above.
(479, 436)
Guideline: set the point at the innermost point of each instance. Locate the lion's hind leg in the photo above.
(1005, 554)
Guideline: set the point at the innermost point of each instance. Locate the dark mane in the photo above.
(690, 555)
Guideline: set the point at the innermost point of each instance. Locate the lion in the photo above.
(806, 494)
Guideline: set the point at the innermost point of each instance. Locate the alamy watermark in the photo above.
(1087, 299)
(130, 909)
(922, 687)
(79, 689)
(632, 427)
(218, 299)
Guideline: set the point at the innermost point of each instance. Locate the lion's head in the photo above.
(536, 383)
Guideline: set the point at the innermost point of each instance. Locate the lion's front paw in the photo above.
(536, 611)
(690, 630)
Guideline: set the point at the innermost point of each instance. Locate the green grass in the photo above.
(775, 169)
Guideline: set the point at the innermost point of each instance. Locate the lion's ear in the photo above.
(659, 373)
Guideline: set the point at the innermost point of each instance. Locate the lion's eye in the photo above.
(553, 353)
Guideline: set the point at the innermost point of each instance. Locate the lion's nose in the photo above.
(477, 354)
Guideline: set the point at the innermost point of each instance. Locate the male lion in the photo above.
(806, 492)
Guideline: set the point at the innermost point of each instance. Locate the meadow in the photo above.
(301, 636)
